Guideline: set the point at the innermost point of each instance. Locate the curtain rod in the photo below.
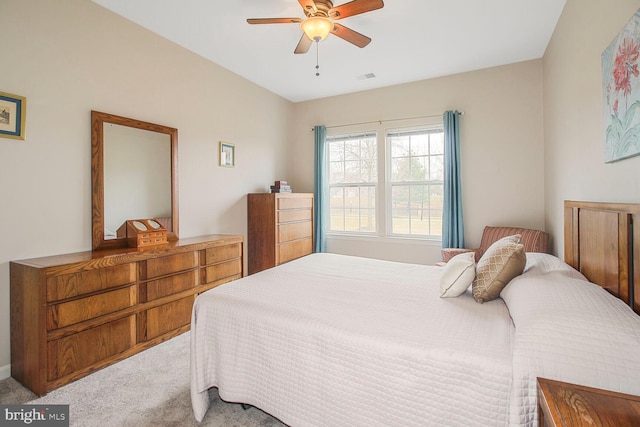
(387, 120)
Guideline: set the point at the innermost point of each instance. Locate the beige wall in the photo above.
(70, 57)
(519, 161)
(501, 146)
(573, 112)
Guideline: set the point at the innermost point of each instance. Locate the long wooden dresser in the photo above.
(74, 314)
(280, 228)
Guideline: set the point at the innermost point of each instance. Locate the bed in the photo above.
(337, 340)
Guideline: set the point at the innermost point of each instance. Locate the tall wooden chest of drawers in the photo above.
(73, 314)
(280, 228)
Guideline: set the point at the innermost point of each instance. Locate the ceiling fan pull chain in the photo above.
(317, 60)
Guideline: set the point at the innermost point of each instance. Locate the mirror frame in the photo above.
(98, 120)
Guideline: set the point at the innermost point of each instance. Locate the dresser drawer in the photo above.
(294, 215)
(72, 285)
(294, 231)
(78, 351)
(221, 253)
(164, 318)
(167, 286)
(293, 250)
(295, 203)
(157, 267)
(81, 309)
(221, 271)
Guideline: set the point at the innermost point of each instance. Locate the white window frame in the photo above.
(383, 186)
(389, 183)
(355, 130)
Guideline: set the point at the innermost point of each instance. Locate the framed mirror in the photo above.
(133, 176)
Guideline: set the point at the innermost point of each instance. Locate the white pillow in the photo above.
(458, 275)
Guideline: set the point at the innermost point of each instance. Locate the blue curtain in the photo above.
(452, 227)
(319, 188)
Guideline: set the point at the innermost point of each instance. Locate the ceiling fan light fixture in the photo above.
(317, 28)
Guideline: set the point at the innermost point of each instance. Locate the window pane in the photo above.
(354, 174)
(400, 196)
(368, 220)
(417, 175)
(336, 203)
(420, 145)
(436, 142)
(368, 149)
(435, 223)
(336, 172)
(336, 222)
(350, 207)
(400, 169)
(351, 172)
(367, 209)
(352, 150)
(436, 168)
(399, 146)
(400, 221)
(419, 168)
(436, 196)
(336, 151)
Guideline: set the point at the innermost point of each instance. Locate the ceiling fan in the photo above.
(319, 21)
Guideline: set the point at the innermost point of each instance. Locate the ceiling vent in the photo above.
(366, 76)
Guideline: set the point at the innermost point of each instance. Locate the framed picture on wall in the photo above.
(621, 89)
(227, 154)
(13, 110)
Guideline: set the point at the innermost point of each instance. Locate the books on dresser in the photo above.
(281, 187)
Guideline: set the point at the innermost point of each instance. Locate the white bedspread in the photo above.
(568, 329)
(332, 340)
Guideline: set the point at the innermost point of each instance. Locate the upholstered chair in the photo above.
(533, 241)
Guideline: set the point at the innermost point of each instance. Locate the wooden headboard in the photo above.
(601, 242)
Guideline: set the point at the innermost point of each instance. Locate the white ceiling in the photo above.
(412, 39)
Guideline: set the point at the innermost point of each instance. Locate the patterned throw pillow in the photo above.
(458, 275)
(502, 261)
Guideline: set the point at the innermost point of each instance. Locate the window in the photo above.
(353, 177)
(416, 161)
(402, 199)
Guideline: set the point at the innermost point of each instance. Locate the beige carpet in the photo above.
(148, 389)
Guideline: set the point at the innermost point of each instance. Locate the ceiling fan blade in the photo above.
(303, 45)
(309, 6)
(349, 35)
(274, 20)
(354, 7)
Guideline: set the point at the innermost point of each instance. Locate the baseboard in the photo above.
(5, 372)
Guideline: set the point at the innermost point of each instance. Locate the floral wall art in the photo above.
(621, 88)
